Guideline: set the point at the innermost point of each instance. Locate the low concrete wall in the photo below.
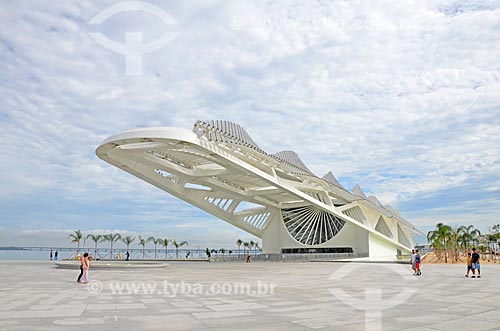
(289, 257)
(112, 265)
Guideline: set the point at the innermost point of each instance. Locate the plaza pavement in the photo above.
(307, 296)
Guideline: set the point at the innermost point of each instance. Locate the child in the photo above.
(413, 262)
(417, 262)
(469, 264)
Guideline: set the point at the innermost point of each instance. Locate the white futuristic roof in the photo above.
(218, 167)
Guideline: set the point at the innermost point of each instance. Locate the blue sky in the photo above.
(401, 97)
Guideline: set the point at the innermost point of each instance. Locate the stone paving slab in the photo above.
(37, 296)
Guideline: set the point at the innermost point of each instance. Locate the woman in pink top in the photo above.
(86, 267)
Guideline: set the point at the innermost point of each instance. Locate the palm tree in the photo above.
(222, 251)
(245, 246)
(496, 228)
(463, 240)
(76, 238)
(155, 241)
(239, 242)
(95, 238)
(112, 238)
(128, 240)
(164, 243)
(482, 242)
(495, 233)
(476, 237)
(142, 242)
(257, 247)
(453, 244)
(468, 234)
(177, 245)
(491, 239)
(251, 244)
(439, 238)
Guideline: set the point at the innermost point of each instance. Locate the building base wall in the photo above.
(380, 249)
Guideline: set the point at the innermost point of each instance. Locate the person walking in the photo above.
(86, 267)
(207, 252)
(127, 256)
(417, 263)
(475, 264)
(81, 270)
(51, 254)
(55, 255)
(469, 264)
(413, 255)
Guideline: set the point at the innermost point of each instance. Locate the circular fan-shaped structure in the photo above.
(310, 225)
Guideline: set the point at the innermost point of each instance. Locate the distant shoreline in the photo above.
(40, 248)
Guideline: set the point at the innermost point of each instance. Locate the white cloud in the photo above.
(400, 97)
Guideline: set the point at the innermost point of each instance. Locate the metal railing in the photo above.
(290, 257)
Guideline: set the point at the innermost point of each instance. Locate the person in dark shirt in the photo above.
(475, 264)
(81, 269)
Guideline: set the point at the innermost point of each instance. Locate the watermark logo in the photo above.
(237, 23)
(321, 23)
(134, 48)
(94, 287)
(373, 302)
(174, 289)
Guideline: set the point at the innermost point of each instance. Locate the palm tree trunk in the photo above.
(445, 251)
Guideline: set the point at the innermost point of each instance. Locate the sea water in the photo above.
(32, 255)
